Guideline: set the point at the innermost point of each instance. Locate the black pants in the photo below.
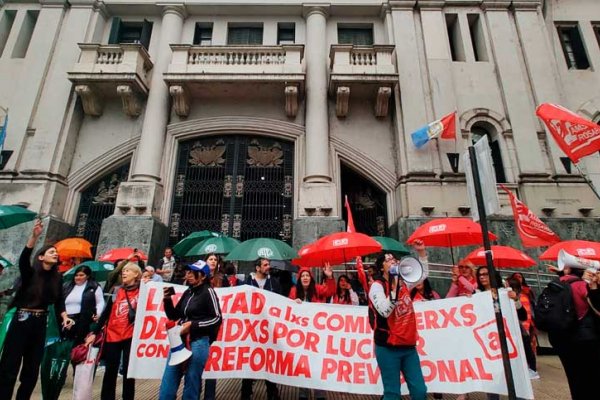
(24, 342)
(580, 360)
(111, 354)
(272, 391)
(529, 354)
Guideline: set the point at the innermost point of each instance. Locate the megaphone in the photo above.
(179, 353)
(568, 260)
(409, 269)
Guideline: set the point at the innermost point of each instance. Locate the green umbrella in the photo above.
(5, 263)
(185, 244)
(392, 245)
(254, 249)
(217, 245)
(100, 270)
(14, 215)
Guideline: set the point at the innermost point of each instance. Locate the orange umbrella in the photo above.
(74, 248)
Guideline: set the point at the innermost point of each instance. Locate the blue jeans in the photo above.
(193, 375)
(391, 362)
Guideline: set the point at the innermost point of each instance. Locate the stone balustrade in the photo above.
(104, 71)
(350, 59)
(285, 59)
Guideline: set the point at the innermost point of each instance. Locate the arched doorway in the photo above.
(368, 203)
(98, 203)
(241, 186)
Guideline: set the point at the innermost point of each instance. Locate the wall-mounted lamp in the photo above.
(427, 210)
(464, 210)
(548, 211)
(566, 162)
(453, 160)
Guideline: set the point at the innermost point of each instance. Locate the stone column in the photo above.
(149, 154)
(512, 75)
(317, 122)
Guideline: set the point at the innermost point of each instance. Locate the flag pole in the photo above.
(510, 382)
(588, 181)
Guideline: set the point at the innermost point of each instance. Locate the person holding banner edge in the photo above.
(199, 313)
(393, 320)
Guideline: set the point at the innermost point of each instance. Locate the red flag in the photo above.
(576, 136)
(350, 227)
(533, 232)
(449, 124)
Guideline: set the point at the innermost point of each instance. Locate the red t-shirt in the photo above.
(118, 327)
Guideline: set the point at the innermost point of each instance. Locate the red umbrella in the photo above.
(579, 248)
(503, 256)
(336, 248)
(449, 232)
(121, 253)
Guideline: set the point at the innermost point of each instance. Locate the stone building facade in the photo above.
(135, 122)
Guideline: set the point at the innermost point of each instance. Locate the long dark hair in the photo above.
(478, 273)
(427, 290)
(523, 280)
(310, 291)
(54, 277)
(343, 294)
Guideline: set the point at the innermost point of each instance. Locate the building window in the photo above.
(25, 34)
(203, 34)
(572, 45)
(359, 35)
(457, 49)
(123, 32)
(477, 37)
(481, 129)
(597, 32)
(286, 33)
(245, 35)
(6, 23)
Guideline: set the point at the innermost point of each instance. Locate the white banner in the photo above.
(330, 347)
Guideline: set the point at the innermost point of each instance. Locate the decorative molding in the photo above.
(54, 3)
(132, 103)
(235, 125)
(402, 4)
(590, 109)
(383, 178)
(174, 8)
(291, 101)
(341, 101)
(181, 100)
(91, 101)
(526, 5)
(432, 4)
(495, 5)
(315, 8)
(383, 100)
(470, 117)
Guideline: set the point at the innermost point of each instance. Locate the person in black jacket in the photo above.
(262, 280)
(41, 286)
(199, 313)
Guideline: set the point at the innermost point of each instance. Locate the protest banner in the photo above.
(326, 346)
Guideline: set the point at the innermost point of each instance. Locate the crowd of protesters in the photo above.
(85, 317)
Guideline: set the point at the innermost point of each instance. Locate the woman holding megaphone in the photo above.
(394, 324)
(199, 314)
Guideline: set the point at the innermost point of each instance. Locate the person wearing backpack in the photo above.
(564, 312)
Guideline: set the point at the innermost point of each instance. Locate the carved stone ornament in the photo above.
(291, 101)
(90, 100)
(181, 100)
(383, 101)
(342, 99)
(263, 156)
(107, 192)
(208, 155)
(132, 103)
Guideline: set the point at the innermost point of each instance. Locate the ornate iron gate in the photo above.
(238, 185)
(368, 204)
(97, 203)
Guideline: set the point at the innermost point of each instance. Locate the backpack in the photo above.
(555, 309)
